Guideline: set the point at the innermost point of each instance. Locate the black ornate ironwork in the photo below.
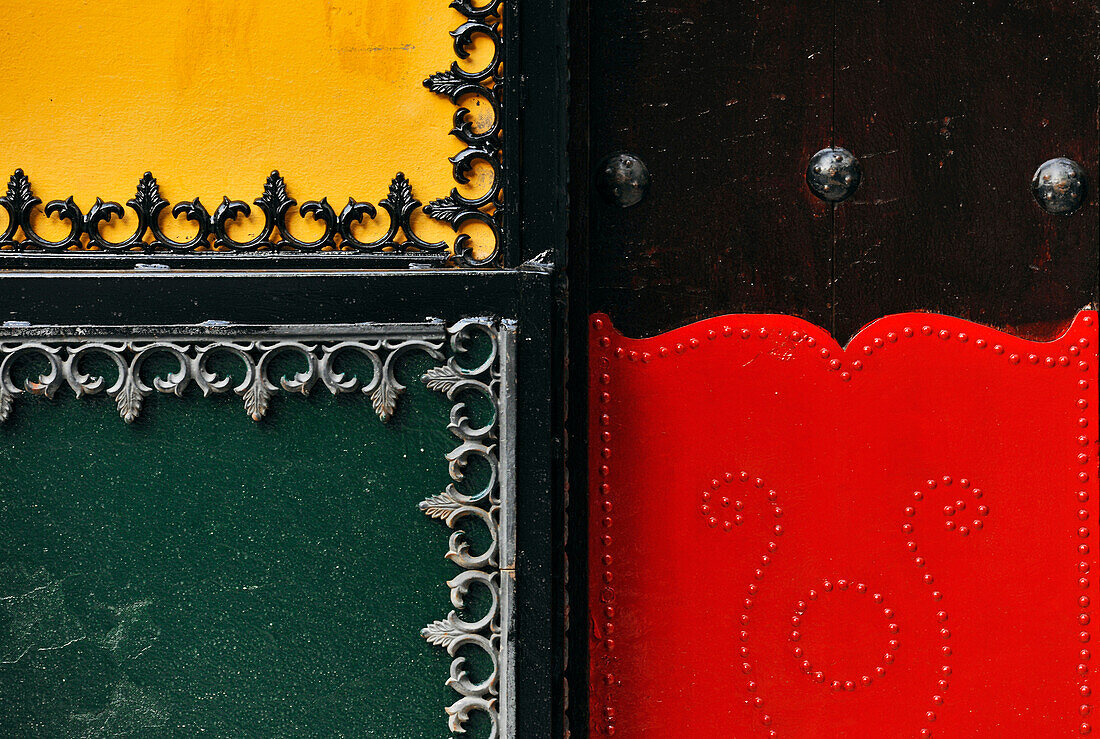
(213, 231)
(484, 146)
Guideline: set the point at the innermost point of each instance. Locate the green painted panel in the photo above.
(197, 572)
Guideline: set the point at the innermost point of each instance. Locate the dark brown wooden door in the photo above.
(949, 107)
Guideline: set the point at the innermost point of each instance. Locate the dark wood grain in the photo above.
(725, 102)
(950, 107)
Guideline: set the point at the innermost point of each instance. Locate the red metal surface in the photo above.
(793, 539)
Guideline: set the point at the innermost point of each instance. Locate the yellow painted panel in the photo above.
(211, 96)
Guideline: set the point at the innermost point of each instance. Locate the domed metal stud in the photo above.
(833, 174)
(1060, 186)
(623, 180)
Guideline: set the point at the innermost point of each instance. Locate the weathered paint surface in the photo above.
(196, 572)
(211, 97)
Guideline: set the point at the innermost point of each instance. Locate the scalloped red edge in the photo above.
(732, 401)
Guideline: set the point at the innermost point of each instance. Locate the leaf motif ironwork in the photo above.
(484, 145)
(191, 350)
(213, 232)
(256, 390)
(454, 507)
(20, 203)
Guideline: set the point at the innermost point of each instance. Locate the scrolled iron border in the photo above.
(64, 349)
(481, 146)
(493, 379)
(212, 230)
(494, 506)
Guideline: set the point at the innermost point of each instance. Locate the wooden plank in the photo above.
(951, 107)
(724, 102)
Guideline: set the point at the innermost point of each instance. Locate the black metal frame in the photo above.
(267, 288)
(581, 187)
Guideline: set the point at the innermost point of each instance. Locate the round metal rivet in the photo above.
(623, 180)
(1060, 185)
(833, 174)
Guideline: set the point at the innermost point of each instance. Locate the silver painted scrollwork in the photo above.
(65, 356)
(68, 353)
(483, 143)
(490, 506)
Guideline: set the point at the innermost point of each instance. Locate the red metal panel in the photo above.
(790, 538)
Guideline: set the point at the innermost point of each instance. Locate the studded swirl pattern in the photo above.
(955, 521)
(717, 499)
(759, 394)
(807, 666)
(745, 486)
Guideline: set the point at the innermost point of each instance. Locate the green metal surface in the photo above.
(198, 573)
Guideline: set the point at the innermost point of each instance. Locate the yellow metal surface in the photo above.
(211, 96)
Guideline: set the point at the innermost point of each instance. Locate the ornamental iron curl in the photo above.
(213, 231)
(256, 388)
(459, 84)
(491, 569)
(190, 351)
